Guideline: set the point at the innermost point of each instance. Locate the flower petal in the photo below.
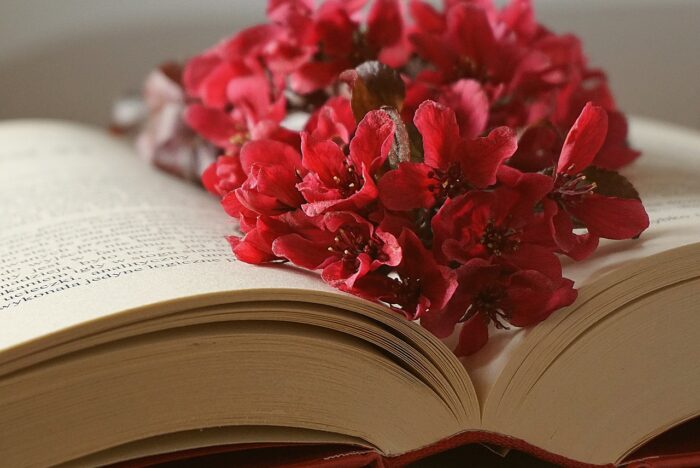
(196, 71)
(473, 336)
(584, 140)
(313, 76)
(469, 27)
(269, 153)
(212, 124)
(437, 125)
(407, 187)
(251, 248)
(373, 140)
(481, 158)
(616, 152)
(307, 253)
(576, 246)
(534, 257)
(323, 157)
(385, 23)
(471, 106)
(426, 17)
(610, 217)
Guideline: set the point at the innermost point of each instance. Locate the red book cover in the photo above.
(677, 448)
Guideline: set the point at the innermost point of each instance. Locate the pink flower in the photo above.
(165, 140)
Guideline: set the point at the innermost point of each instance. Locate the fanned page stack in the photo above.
(128, 330)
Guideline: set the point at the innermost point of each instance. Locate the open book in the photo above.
(127, 328)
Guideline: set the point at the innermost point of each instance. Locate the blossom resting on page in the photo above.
(447, 158)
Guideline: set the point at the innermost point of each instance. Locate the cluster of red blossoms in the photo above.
(438, 162)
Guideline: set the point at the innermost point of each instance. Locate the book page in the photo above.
(87, 230)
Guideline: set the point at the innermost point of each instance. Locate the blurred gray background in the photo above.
(70, 58)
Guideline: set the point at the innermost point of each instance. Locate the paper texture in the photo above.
(89, 230)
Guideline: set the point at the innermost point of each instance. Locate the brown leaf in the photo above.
(374, 86)
(401, 149)
(416, 143)
(610, 183)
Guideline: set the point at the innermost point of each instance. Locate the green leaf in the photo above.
(375, 86)
(610, 183)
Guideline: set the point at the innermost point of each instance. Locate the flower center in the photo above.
(240, 136)
(490, 302)
(567, 187)
(466, 67)
(408, 291)
(349, 181)
(449, 183)
(349, 243)
(499, 239)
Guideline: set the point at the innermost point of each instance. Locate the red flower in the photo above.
(260, 233)
(471, 106)
(527, 74)
(416, 287)
(386, 34)
(427, 18)
(466, 47)
(500, 226)
(340, 44)
(217, 127)
(273, 170)
(344, 245)
(592, 86)
(538, 148)
(224, 175)
(498, 295)
(338, 182)
(430, 204)
(473, 41)
(236, 87)
(333, 121)
(451, 166)
(331, 34)
(255, 246)
(589, 198)
(616, 152)
(233, 103)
